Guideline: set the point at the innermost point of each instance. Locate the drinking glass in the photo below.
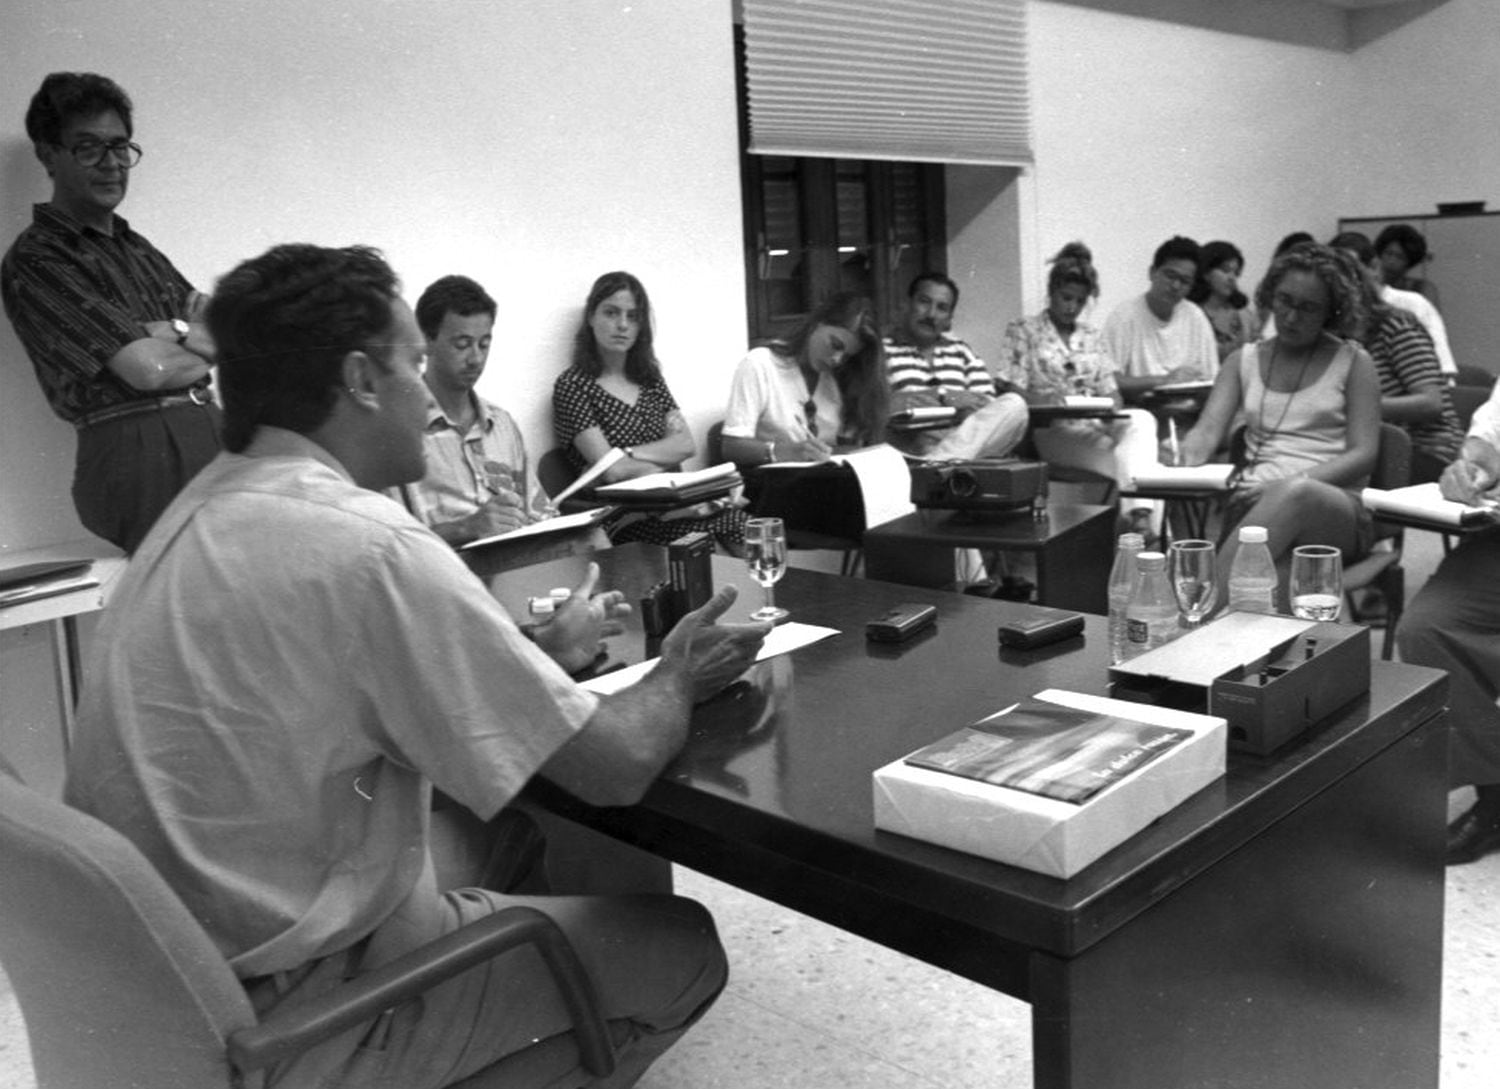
(1193, 578)
(765, 552)
(1317, 582)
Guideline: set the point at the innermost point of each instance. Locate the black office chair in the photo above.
(120, 986)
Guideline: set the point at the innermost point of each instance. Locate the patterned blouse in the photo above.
(1042, 364)
(579, 403)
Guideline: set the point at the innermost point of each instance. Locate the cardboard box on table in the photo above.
(1044, 834)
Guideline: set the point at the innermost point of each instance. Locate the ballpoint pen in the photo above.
(1172, 442)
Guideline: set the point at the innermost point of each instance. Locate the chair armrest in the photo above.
(291, 1029)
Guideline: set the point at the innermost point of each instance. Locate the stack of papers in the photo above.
(1146, 760)
(656, 489)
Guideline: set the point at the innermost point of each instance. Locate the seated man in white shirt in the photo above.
(930, 368)
(1159, 337)
(292, 663)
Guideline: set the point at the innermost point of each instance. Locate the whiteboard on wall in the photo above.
(1464, 264)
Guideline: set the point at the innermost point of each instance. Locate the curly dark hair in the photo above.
(1217, 254)
(451, 295)
(66, 96)
(1073, 264)
(641, 365)
(862, 381)
(1341, 275)
(283, 323)
(1408, 238)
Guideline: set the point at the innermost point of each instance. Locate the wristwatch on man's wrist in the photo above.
(181, 328)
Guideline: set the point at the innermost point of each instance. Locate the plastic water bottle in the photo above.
(1252, 577)
(1151, 616)
(1121, 582)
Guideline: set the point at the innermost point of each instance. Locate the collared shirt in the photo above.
(284, 671)
(76, 296)
(462, 465)
(953, 366)
(1142, 345)
(1044, 364)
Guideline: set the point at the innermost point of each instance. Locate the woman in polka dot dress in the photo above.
(613, 395)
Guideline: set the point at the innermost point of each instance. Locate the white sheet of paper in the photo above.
(546, 525)
(784, 639)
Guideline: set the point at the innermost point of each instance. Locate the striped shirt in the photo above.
(76, 296)
(1406, 362)
(954, 366)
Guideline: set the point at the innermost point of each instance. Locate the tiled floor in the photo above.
(811, 1007)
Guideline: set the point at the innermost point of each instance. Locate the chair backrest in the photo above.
(117, 982)
(1392, 470)
(554, 471)
(1474, 376)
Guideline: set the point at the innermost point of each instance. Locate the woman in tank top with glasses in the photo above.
(1310, 399)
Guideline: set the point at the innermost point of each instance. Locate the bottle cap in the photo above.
(541, 607)
(1136, 541)
(1252, 535)
(1147, 561)
(559, 594)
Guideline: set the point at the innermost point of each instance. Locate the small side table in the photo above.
(1073, 545)
(61, 612)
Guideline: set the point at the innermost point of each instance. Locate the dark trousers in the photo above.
(130, 468)
(1454, 623)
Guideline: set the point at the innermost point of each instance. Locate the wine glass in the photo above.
(1193, 578)
(765, 552)
(1317, 582)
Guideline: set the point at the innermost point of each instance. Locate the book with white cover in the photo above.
(1213, 477)
(1151, 760)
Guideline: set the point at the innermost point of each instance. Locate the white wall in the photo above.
(1430, 127)
(1146, 129)
(532, 146)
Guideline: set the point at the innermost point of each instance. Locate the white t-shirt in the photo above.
(1142, 345)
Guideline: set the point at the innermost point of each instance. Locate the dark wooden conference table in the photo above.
(1283, 927)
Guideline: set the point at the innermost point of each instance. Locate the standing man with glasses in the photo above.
(1158, 337)
(113, 330)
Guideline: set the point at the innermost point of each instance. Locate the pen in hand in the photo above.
(1172, 442)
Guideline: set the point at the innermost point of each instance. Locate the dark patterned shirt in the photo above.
(1405, 360)
(76, 296)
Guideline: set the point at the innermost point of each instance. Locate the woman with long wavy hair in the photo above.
(821, 390)
(613, 397)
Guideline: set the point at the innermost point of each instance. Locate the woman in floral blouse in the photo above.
(1054, 355)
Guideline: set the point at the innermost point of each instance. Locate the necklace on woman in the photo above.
(1265, 435)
